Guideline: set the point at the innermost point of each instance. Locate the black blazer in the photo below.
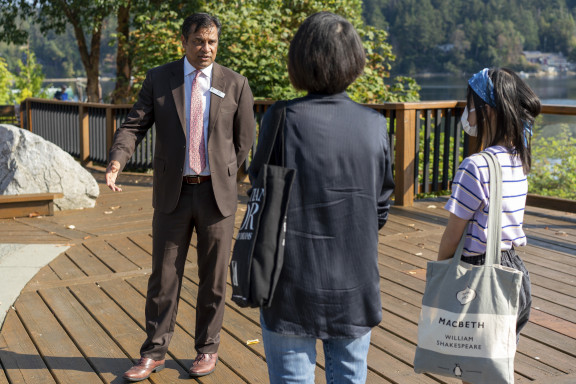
(329, 284)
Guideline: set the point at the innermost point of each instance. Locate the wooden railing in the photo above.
(85, 130)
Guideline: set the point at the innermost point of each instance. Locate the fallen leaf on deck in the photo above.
(108, 212)
(432, 206)
(115, 207)
(71, 227)
(255, 341)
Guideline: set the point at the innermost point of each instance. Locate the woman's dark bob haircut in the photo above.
(326, 54)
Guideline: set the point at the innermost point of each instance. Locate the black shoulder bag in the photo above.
(258, 253)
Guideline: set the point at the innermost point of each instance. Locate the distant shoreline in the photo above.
(538, 74)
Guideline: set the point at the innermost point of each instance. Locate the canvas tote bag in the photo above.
(467, 326)
(258, 252)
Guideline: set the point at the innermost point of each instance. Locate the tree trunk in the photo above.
(123, 62)
(93, 89)
(90, 59)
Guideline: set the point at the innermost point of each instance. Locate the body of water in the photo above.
(551, 90)
(559, 90)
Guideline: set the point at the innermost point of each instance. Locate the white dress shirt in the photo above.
(204, 80)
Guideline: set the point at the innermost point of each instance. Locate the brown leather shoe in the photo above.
(143, 369)
(204, 364)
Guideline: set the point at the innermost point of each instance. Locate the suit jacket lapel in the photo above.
(219, 83)
(177, 86)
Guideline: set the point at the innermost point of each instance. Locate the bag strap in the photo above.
(494, 224)
(267, 141)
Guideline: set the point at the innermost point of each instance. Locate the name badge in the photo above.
(217, 92)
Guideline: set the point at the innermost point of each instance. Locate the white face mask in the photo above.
(472, 130)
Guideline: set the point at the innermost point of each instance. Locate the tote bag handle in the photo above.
(494, 224)
(272, 139)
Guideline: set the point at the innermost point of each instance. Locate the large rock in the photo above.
(30, 164)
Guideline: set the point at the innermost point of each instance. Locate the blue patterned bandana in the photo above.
(483, 86)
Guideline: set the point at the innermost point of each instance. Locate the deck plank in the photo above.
(91, 299)
(58, 350)
(131, 251)
(65, 269)
(102, 352)
(113, 259)
(87, 261)
(232, 353)
(21, 360)
(182, 346)
(3, 378)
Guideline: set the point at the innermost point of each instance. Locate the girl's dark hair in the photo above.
(516, 105)
(200, 20)
(326, 54)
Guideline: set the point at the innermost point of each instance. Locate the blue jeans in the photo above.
(292, 359)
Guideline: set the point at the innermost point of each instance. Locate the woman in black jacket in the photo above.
(329, 284)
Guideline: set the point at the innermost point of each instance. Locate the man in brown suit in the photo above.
(204, 120)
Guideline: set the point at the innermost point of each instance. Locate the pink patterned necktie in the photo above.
(196, 151)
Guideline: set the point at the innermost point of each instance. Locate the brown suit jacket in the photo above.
(231, 131)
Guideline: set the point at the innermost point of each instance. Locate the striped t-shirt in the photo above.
(470, 200)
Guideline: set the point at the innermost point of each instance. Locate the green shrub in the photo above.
(554, 165)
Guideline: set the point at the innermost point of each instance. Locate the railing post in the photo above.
(29, 114)
(110, 127)
(84, 125)
(404, 157)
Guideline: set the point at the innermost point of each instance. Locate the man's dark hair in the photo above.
(200, 20)
(326, 54)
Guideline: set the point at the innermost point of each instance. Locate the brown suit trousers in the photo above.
(172, 232)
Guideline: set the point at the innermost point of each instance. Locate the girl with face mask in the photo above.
(500, 112)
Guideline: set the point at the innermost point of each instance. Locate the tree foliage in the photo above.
(5, 83)
(28, 80)
(147, 35)
(86, 17)
(255, 38)
(155, 40)
(256, 35)
(463, 35)
(554, 165)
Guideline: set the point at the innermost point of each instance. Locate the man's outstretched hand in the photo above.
(111, 174)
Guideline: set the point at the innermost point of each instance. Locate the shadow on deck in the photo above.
(81, 318)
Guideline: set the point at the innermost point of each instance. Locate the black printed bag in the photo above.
(258, 253)
(467, 326)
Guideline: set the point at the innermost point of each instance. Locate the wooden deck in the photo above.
(81, 318)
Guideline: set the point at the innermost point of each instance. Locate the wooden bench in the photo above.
(28, 205)
(8, 115)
